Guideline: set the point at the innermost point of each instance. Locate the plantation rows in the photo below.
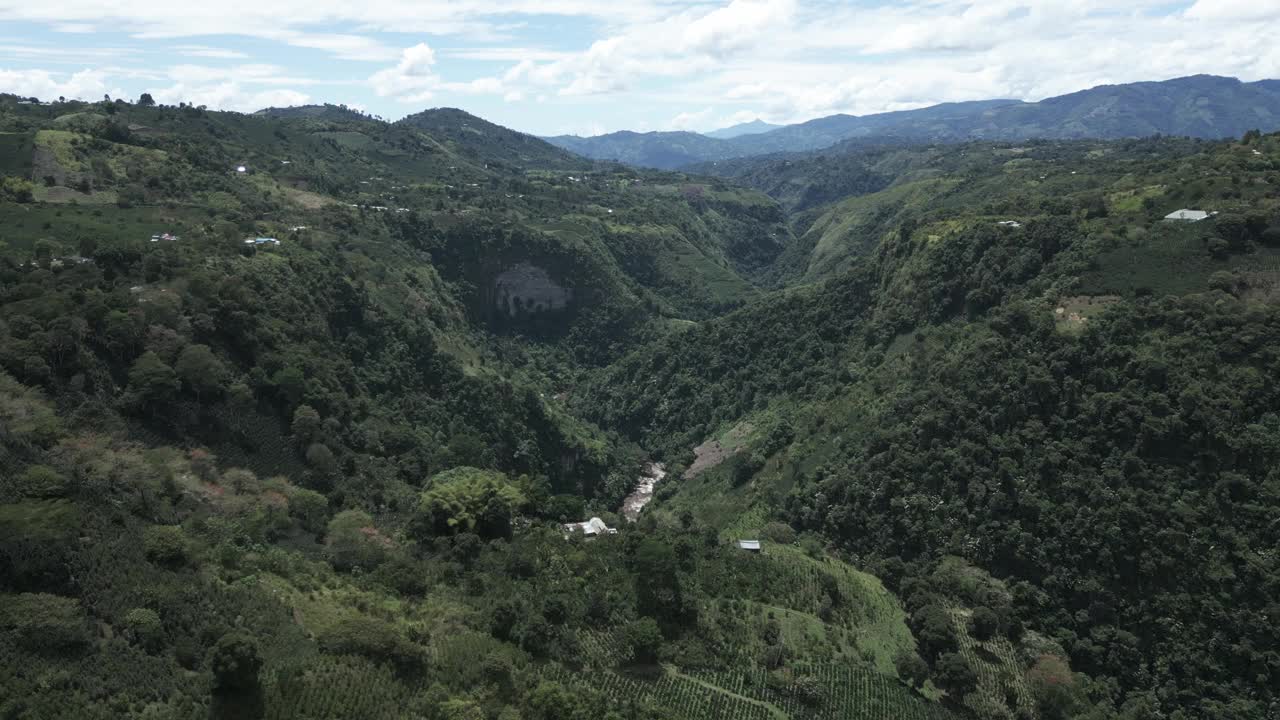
(601, 647)
(336, 688)
(997, 667)
(829, 692)
(672, 693)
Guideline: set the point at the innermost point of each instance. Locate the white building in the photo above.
(1185, 215)
(591, 528)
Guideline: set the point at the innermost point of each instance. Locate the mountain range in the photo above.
(1204, 106)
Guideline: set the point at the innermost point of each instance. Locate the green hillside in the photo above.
(294, 407)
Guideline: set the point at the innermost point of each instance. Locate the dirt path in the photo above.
(769, 707)
(635, 502)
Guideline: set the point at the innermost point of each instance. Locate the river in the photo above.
(635, 502)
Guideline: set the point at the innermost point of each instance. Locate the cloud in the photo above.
(736, 25)
(410, 80)
(229, 96)
(504, 54)
(206, 51)
(690, 120)
(84, 85)
(1220, 10)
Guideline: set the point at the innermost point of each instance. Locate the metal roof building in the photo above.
(1185, 215)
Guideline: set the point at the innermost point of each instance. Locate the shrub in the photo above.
(955, 675)
(780, 533)
(143, 627)
(44, 622)
(643, 639)
(39, 481)
(309, 508)
(911, 668)
(374, 639)
(165, 544)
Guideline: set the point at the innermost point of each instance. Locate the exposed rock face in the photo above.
(528, 288)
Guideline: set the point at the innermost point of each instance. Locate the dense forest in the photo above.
(295, 408)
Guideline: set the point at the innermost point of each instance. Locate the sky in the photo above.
(591, 66)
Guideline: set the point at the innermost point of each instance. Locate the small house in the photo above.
(1009, 224)
(591, 528)
(241, 169)
(1186, 215)
(261, 241)
(749, 545)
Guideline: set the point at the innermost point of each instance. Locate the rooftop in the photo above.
(1188, 215)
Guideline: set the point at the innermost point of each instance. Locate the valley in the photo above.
(1003, 432)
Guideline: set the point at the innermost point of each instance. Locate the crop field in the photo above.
(22, 225)
(336, 688)
(682, 696)
(827, 692)
(1000, 675)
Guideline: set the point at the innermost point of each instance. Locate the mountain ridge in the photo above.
(1205, 106)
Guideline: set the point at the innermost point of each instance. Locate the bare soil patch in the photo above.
(713, 452)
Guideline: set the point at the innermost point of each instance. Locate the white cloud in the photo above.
(1233, 10)
(205, 51)
(83, 85)
(736, 25)
(229, 96)
(412, 79)
(690, 120)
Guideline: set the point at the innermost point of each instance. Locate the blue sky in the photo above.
(588, 66)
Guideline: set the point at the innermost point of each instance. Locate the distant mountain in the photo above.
(482, 141)
(755, 127)
(1203, 106)
(668, 150)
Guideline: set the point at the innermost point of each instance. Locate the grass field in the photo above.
(22, 225)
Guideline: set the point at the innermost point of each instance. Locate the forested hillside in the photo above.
(1016, 362)
(295, 406)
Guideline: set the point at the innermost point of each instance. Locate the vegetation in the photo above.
(997, 470)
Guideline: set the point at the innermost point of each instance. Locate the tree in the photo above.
(235, 662)
(306, 423)
(552, 701)
(241, 480)
(659, 592)
(912, 669)
(934, 629)
(353, 541)
(201, 370)
(145, 100)
(643, 639)
(152, 380)
(1054, 688)
(310, 508)
(468, 500)
(143, 626)
(955, 675)
(984, 623)
(320, 457)
(165, 544)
